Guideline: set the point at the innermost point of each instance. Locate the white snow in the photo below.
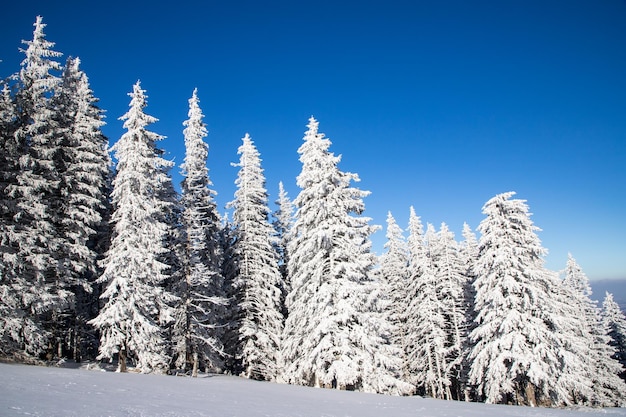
(41, 391)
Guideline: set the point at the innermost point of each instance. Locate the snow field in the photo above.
(39, 391)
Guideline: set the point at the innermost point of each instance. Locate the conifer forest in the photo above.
(111, 262)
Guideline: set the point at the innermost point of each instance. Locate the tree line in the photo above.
(116, 265)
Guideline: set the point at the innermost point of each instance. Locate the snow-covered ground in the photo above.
(40, 391)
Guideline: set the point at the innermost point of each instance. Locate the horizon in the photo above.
(434, 105)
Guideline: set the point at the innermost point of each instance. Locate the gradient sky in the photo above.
(438, 104)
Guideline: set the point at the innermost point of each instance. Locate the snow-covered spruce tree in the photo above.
(436, 342)
(587, 337)
(197, 331)
(517, 352)
(328, 341)
(452, 281)
(283, 221)
(429, 356)
(383, 372)
(394, 269)
(390, 297)
(468, 252)
(10, 153)
(418, 260)
(84, 165)
(135, 301)
(30, 241)
(257, 281)
(615, 321)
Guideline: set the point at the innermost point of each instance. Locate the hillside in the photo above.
(40, 391)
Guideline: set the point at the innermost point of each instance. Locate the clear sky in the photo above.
(439, 104)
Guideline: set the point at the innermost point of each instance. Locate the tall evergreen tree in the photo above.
(468, 253)
(283, 221)
(328, 341)
(30, 242)
(10, 153)
(429, 355)
(468, 249)
(197, 331)
(389, 308)
(84, 167)
(418, 262)
(257, 281)
(394, 268)
(615, 321)
(588, 339)
(452, 281)
(136, 303)
(516, 356)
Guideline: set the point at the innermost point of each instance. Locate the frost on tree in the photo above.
(256, 280)
(197, 332)
(394, 269)
(10, 305)
(451, 289)
(328, 341)
(392, 300)
(615, 321)
(135, 302)
(417, 264)
(283, 221)
(468, 251)
(596, 382)
(516, 356)
(85, 167)
(30, 239)
(428, 356)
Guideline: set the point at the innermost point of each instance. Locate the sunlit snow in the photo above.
(39, 391)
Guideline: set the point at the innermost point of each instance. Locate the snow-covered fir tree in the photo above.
(383, 372)
(31, 242)
(452, 282)
(10, 154)
(10, 303)
(394, 264)
(136, 303)
(197, 332)
(391, 300)
(588, 339)
(417, 264)
(256, 279)
(328, 341)
(429, 355)
(283, 221)
(517, 354)
(615, 321)
(468, 253)
(84, 165)
(468, 249)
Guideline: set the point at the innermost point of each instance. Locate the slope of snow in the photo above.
(39, 391)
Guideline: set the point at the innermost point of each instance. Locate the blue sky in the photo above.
(438, 104)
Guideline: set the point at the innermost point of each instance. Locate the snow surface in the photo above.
(41, 391)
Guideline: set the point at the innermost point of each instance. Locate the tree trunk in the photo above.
(530, 394)
(194, 371)
(121, 366)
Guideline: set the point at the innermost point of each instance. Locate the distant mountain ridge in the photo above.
(615, 286)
